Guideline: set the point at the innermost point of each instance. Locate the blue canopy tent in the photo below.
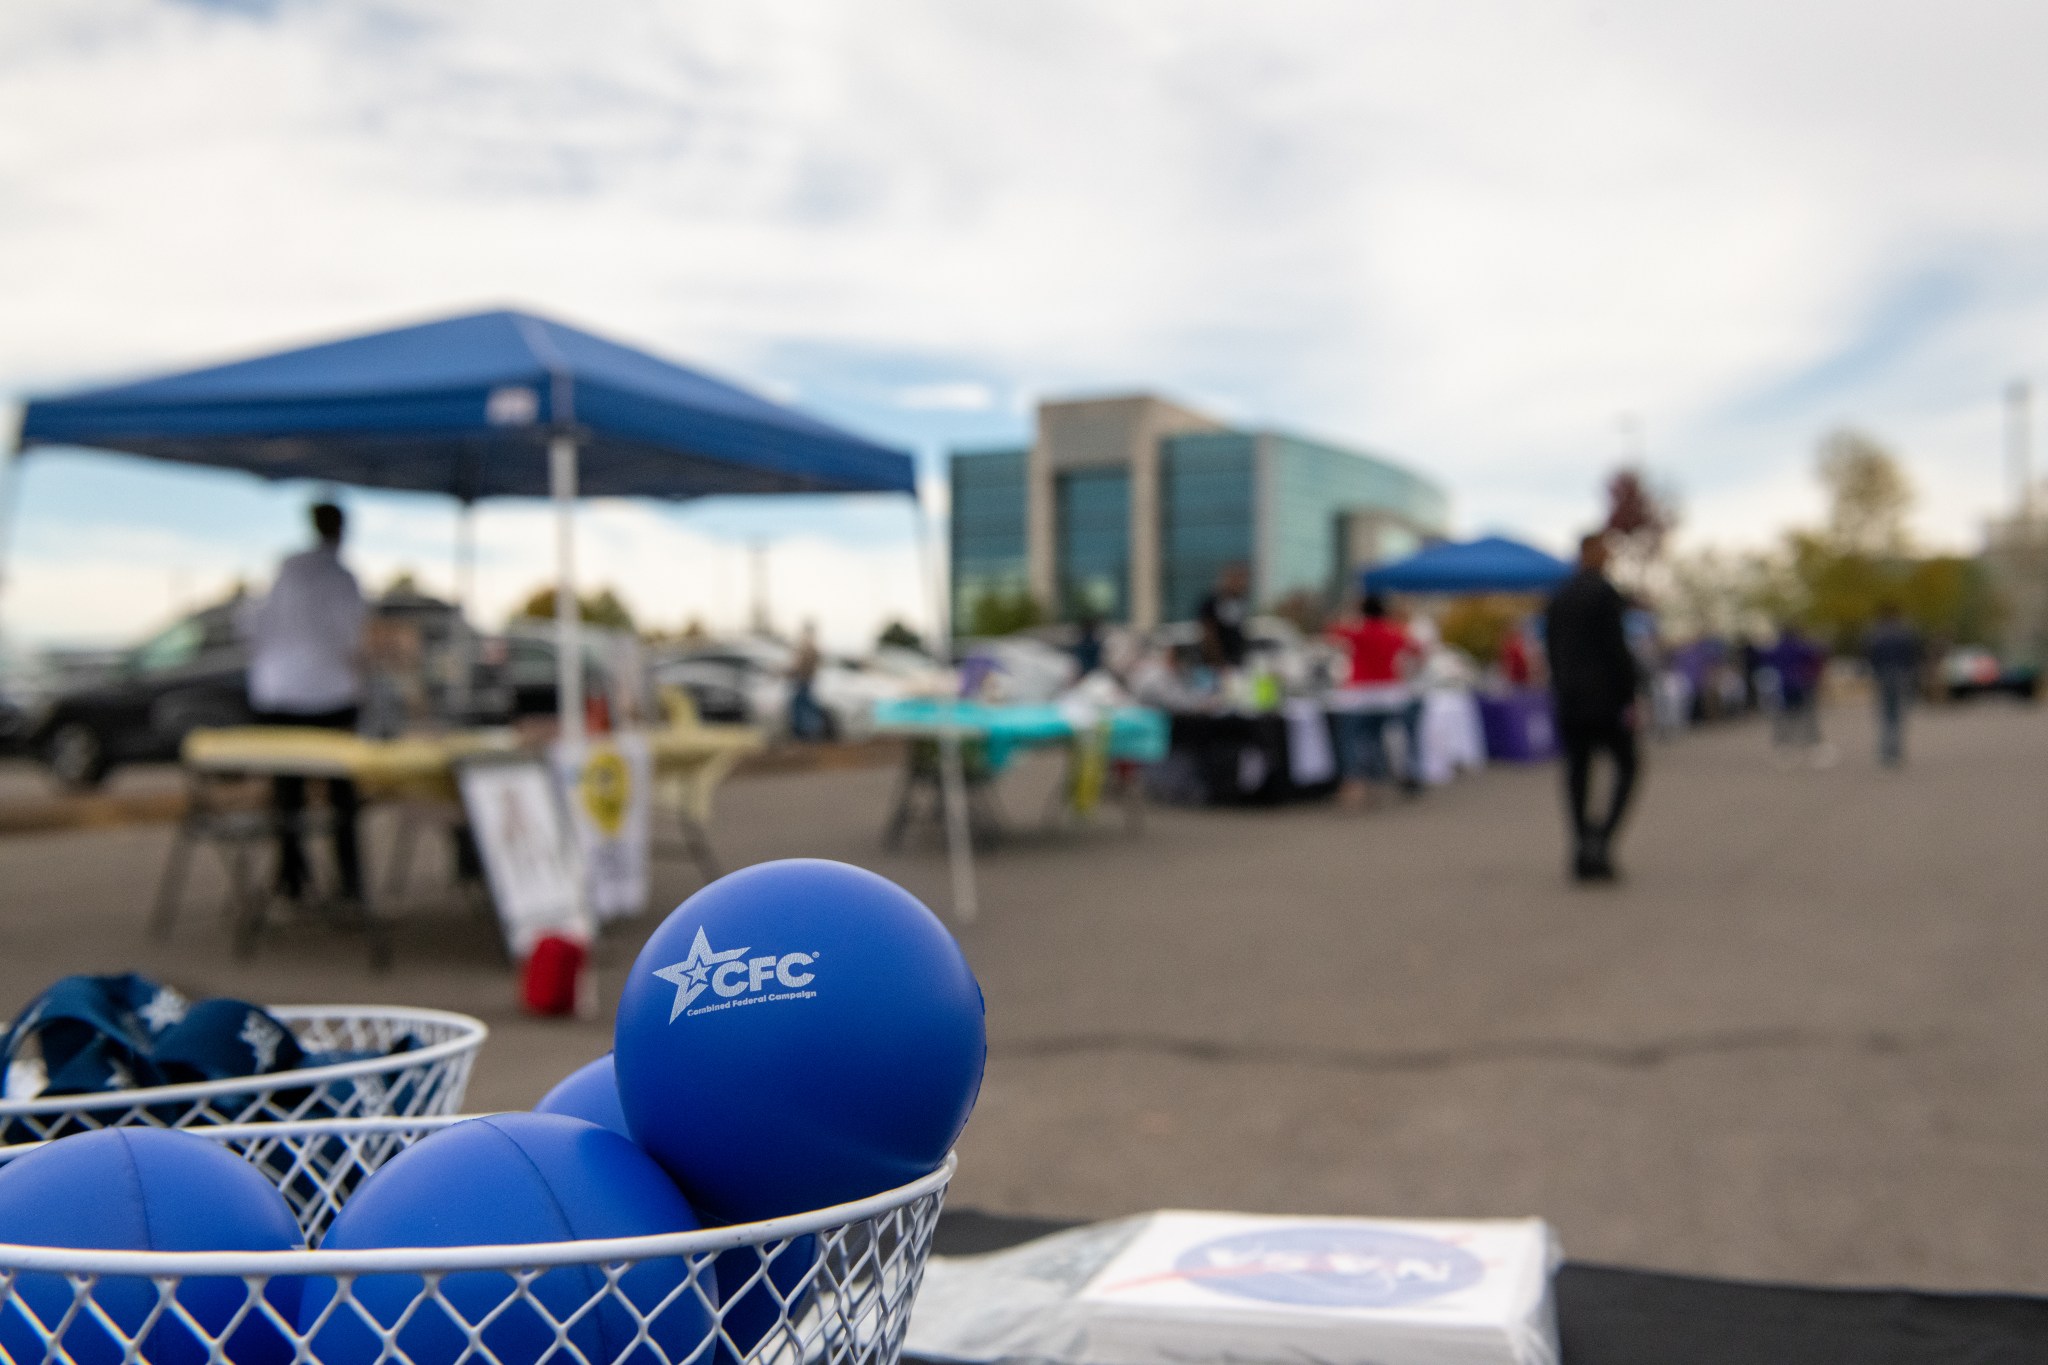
(495, 404)
(499, 404)
(469, 406)
(1489, 564)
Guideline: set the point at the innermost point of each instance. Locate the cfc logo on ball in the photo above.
(736, 978)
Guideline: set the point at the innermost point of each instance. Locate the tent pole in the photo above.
(10, 494)
(568, 617)
(465, 594)
(952, 770)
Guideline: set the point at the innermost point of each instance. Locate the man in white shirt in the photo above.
(305, 668)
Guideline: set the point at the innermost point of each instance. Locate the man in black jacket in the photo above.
(1594, 678)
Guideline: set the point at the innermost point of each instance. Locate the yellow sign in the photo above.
(607, 790)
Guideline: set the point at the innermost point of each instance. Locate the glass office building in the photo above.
(1094, 509)
(1207, 504)
(1128, 508)
(987, 543)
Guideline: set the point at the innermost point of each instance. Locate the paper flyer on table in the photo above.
(1183, 1288)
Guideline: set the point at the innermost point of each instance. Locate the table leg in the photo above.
(402, 853)
(170, 891)
(377, 929)
(906, 794)
(1131, 787)
(1059, 806)
(697, 840)
(245, 902)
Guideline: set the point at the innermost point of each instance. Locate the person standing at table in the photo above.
(807, 719)
(1374, 696)
(1594, 678)
(1222, 616)
(1893, 650)
(1087, 649)
(305, 669)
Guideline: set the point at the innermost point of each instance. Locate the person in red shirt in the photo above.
(1375, 694)
(1515, 664)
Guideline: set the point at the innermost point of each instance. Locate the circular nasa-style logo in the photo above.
(1330, 1267)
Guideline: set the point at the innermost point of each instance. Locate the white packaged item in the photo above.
(1182, 1288)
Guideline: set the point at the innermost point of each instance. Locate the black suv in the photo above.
(192, 673)
(139, 707)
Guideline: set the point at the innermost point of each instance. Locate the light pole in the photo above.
(2019, 455)
(2027, 590)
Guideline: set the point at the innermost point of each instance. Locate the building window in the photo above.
(1205, 509)
(988, 559)
(1094, 519)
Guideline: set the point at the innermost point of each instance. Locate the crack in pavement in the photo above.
(1628, 1056)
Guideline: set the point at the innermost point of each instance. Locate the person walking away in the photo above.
(1893, 651)
(1375, 695)
(305, 669)
(1594, 679)
(1222, 616)
(1799, 663)
(807, 719)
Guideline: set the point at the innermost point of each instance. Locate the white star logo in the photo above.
(164, 1009)
(691, 974)
(262, 1036)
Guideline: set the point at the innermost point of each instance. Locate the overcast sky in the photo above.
(1470, 236)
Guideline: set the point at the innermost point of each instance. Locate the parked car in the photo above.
(194, 672)
(747, 680)
(1975, 672)
(137, 705)
(516, 671)
(27, 681)
(717, 687)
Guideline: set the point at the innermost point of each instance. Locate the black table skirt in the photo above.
(1609, 1316)
(1241, 759)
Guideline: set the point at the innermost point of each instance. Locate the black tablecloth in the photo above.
(1609, 1316)
(1241, 759)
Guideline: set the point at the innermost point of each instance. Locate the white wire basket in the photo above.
(830, 1287)
(429, 1077)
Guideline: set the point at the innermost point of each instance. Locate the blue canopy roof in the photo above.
(1489, 564)
(466, 406)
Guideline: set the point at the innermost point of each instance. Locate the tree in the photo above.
(1952, 599)
(1710, 592)
(1638, 520)
(1481, 625)
(1869, 495)
(896, 635)
(1860, 559)
(601, 608)
(1000, 611)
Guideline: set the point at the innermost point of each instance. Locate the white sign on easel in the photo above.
(528, 861)
(607, 786)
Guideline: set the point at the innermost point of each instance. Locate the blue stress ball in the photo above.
(752, 1295)
(144, 1189)
(795, 1035)
(590, 1093)
(504, 1179)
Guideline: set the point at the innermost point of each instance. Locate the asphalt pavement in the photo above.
(1804, 1039)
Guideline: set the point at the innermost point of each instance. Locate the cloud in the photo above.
(1470, 236)
(960, 396)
